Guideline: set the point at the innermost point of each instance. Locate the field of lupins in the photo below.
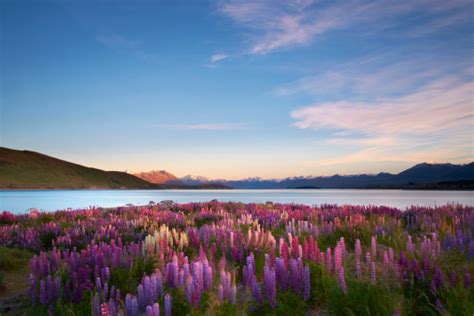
(247, 259)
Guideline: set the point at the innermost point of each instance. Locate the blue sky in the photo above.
(232, 89)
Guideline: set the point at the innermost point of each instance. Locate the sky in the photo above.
(236, 89)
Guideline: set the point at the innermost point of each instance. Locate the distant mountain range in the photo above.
(421, 176)
(32, 170)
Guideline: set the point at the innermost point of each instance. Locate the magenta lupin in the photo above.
(342, 279)
(328, 259)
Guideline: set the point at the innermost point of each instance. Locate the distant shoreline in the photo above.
(234, 189)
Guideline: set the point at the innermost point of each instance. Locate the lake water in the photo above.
(21, 201)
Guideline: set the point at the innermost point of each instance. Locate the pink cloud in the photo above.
(440, 105)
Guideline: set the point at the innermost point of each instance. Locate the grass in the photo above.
(13, 258)
(362, 298)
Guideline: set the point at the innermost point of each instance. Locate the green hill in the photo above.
(32, 170)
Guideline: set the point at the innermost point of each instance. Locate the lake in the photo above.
(21, 201)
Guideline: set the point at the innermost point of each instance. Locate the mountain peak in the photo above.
(158, 177)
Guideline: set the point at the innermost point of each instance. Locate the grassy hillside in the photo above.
(31, 170)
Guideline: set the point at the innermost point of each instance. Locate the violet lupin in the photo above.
(358, 267)
(149, 291)
(386, 264)
(57, 287)
(233, 295)
(270, 285)
(189, 288)
(220, 293)
(368, 258)
(135, 309)
(167, 305)
(128, 303)
(207, 274)
(96, 305)
(49, 289)
(306, 283)
(294, 276)
(117, 296)
(32, 290)
(157, 283)
(281, 273)
(467, 280)
(255, 287)
(112, 307)
(141, 297)
(197, 284)
(373, 273)
(149, 311)
(43, 295)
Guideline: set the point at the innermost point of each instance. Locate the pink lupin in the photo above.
(342, 280)
(328, 259)
(358, 248)
(373, 245)
(337, 257)
(358, 268)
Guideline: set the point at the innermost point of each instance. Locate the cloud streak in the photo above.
(217, 57)
(281, 25)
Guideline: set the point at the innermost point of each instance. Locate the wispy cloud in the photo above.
(436, 122)
(384, 74)
(280, 25)
(217, 57)
(210, 126)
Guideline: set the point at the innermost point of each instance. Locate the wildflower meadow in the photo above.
(246, 259)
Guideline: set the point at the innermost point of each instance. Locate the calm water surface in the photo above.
(21, 201)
